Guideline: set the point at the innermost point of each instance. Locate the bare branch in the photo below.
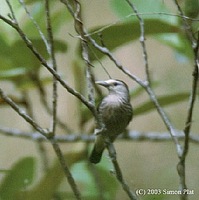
(145, 85)
(80, 30)
(118, 172)
(148, 88)
(75, 11)
(12, 16)
(66, 169)
(188, 123)
(50, 49)
(74, 8)
(39, 144)
(36, 25)
(44, 102)
(165, 119)
(49, 68)
(43, 155)
(54, 65)
(53, 71)
(22, 113)
(140, 14)
(186, 25)
(142, 40)
(106, 51)
(130, 136)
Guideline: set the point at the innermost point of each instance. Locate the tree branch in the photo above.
(142, 40)
(81, 137)
(75, 11)
(148, 89)
(23, 114)
(36, 25)
(54, 66)
(49, 68)
(188, 123)
(66, 170)
(118, 172)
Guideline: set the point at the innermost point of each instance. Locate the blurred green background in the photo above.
(146, 164)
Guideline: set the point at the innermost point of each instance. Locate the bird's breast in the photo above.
(115, 113)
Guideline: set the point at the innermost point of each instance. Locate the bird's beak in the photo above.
(103, 83)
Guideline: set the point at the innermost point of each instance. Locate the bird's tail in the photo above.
(96, 155)
(98, 149)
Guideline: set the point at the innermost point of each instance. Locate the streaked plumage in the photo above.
(115, 111)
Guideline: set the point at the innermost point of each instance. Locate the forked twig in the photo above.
(188, 123)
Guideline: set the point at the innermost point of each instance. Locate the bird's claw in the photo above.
(100, 131)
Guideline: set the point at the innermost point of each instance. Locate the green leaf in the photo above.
(20, 61)
(18, 178)
(120, 34)
(12, 73)
(51, 180)
(4, 170)
(28, 84)
(4, 46)
(23, 57)
(165, 28)
(163, 100)
(84, 176)
(178, 42)
(27, 2)
(151, 9)
(191, 8)
(59, 16)
(148, 8)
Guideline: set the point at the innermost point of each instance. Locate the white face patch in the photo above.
(111, 81)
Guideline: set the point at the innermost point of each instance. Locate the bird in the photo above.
(115, 112)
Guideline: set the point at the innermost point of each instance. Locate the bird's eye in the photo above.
(115, 83)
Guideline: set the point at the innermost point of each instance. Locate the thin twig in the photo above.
(54, 120)
(66, 170)
(79, 27)
(147, 87)
(54, 65)
(84, 41)
(142, 40)
(166, 120)
(15, 25)
(44, 102)
(186, 25)
(140, 14)
(40, 145)
(12, 12)
(193, 94)
(188, 124)
(106, 51)
(36, 25)
(49, 50)
(22, 113)
(49, 68)
(43, 155)
(71, 138)
(19, 101)
(118, 172)
(46, 135)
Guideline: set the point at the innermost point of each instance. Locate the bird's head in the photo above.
(116, 87)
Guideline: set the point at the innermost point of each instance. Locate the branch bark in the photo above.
(195, 46)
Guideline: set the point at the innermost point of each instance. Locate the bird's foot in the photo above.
(100, 131)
